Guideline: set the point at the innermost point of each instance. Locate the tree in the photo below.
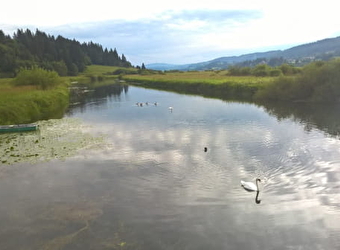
(72, 69)
(28, 49)
(60, 67)
(261, 70)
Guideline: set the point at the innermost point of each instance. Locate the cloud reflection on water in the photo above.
(294, 163)
(298, 199)
(152, 172)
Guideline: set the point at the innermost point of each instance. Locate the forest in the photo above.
(27, 49)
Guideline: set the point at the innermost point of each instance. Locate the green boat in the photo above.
(18, 128)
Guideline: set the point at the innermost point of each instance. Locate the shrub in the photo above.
(60, 67)
(41, 78)
(261, 70)
(318, 82)
(275, 72)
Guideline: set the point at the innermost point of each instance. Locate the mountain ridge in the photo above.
(297, 55)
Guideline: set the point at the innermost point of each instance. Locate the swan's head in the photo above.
(258, 179)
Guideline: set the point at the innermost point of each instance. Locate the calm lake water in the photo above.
(114, 175)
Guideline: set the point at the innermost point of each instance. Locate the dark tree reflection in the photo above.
(82, 95)
(324, 117)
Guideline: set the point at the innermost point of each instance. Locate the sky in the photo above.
(178, 31)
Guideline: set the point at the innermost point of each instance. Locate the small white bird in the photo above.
(170, 109)
(250, 186)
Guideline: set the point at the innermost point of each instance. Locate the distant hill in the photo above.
(322, 48)
(299, 55)
(166, 66)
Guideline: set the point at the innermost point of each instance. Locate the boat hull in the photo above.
(18, 128)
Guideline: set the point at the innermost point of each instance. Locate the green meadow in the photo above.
(217, 84)
(98, 75)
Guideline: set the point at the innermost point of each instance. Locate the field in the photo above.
(97, 75)
(208, 77)
(216, 84)
(99, 70)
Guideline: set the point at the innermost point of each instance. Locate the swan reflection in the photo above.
(257, 200)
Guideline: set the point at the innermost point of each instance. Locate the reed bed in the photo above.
(25, 104)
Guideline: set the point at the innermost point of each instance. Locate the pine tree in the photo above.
(30, 49)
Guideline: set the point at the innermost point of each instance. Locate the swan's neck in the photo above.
(257, 184)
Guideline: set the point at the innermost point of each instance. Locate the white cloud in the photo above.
(149, 31)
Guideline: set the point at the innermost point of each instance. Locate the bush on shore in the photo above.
(41, 78)
(318, 82)
(33, 95)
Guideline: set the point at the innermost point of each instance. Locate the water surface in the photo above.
(147, 183)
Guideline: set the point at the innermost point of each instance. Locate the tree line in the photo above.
(263, 70)
(27, 49)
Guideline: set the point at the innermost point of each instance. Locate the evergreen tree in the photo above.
(29, 49)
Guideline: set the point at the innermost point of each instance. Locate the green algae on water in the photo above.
(55, 139)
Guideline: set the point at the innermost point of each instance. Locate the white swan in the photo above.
(249, 186)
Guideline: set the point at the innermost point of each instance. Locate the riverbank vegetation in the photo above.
(99, 75)
(264, 70)
(40, 94)
(316, 82)
(216, 84)
(34, 95)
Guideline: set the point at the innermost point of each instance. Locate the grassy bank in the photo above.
(25, 104)
(44, 95)
(216, 84)
(98, 75)
(318, 82)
